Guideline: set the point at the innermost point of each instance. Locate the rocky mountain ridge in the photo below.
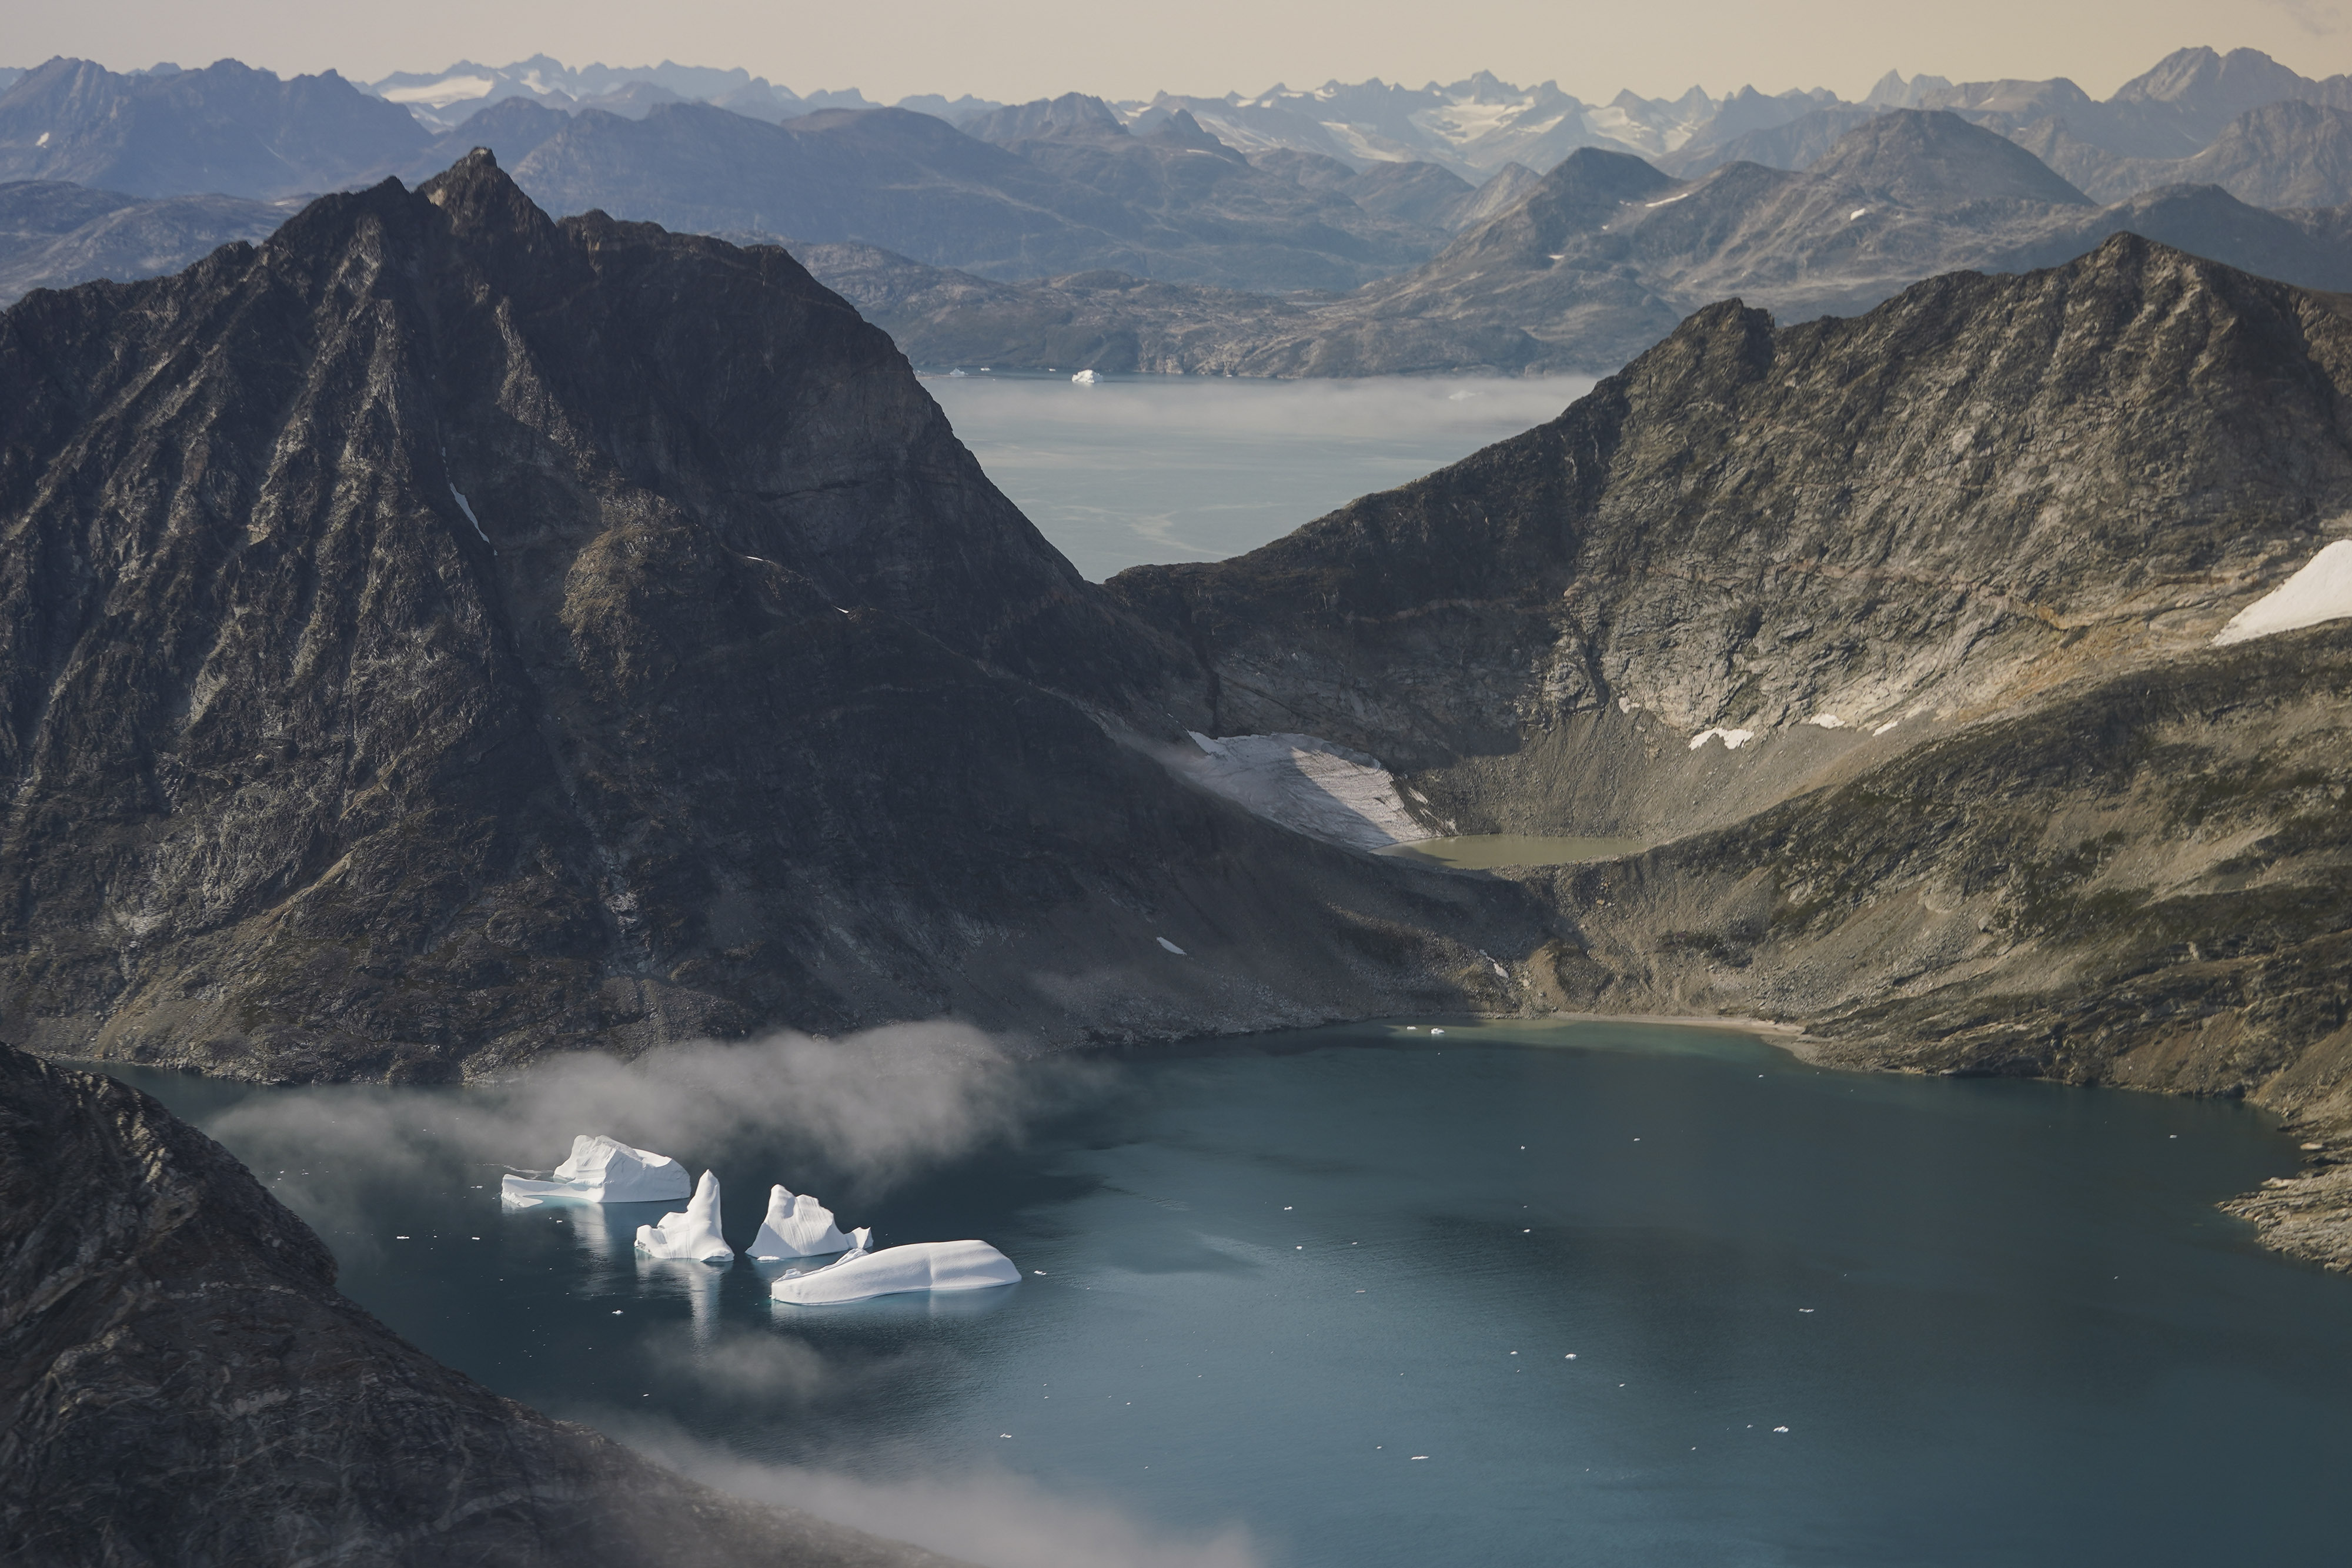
(1893, 633)
(643, 658)
(1602, 256)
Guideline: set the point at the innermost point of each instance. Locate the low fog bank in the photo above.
(856, 1116)
(988, 1516)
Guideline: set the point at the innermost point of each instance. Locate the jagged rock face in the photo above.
(180, 1382)
(1981, 489)
(443, 634)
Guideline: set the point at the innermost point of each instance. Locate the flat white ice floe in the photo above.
(601, 1170)
(2321, 591)
(1305, 784)
(801, 1226)
(894, 1270)
(1733, 739)
(694, 1234)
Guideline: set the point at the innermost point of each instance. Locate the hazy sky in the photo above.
(1016, 49)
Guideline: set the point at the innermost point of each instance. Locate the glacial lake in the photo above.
(1371, 1295)
(1138, 469)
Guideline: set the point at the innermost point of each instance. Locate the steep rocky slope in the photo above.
(180, 1382)
(1892, 632)
(442, 634)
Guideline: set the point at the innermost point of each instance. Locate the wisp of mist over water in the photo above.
(1174, 468)
(859, 1113)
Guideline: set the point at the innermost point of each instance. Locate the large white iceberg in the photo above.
(602, 1170)
(918, 1265)
(2321, 591)
(801, 1226)
(694, 1234)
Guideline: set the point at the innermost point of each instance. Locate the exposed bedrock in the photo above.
(1948, 573)
(181, 1382)
(441, 634)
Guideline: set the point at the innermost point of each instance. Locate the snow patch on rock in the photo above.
(1307, 785)
(919, 1266)
(2321, 591)
(1827, 721)
(1733, 739)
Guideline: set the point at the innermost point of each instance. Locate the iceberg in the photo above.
(801, 1228)
(694, 1234)
(1086, 379)
(601, 1170)
(918, 1265)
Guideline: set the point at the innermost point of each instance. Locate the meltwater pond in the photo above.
(1519, 1294)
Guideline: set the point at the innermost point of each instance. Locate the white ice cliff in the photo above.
(602, 1170)
(919, 1266)
(694, 1234)
(801, 1226)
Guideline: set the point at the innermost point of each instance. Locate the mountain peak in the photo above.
(485, 205)
(1933, 157)
(1074, 114)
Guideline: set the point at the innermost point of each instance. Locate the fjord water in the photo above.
(1136, 469)
(1326, 1285)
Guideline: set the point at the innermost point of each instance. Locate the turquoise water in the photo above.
(1175, 468)
(1311, 1299)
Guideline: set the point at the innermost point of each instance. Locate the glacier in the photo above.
(691, 1235)
(918, 1265)
(601, 1170)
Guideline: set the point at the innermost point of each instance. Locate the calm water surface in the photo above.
(1326, 1285)
(1174, 468)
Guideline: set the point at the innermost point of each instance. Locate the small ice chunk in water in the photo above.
(799, 1227)
(918, 1265)
(694, 1234)
(1170, 945)
(602, 1170)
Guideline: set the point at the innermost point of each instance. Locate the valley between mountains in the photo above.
(440, 636)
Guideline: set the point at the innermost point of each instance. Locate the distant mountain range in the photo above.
(1600, 259)
(1350, 230)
